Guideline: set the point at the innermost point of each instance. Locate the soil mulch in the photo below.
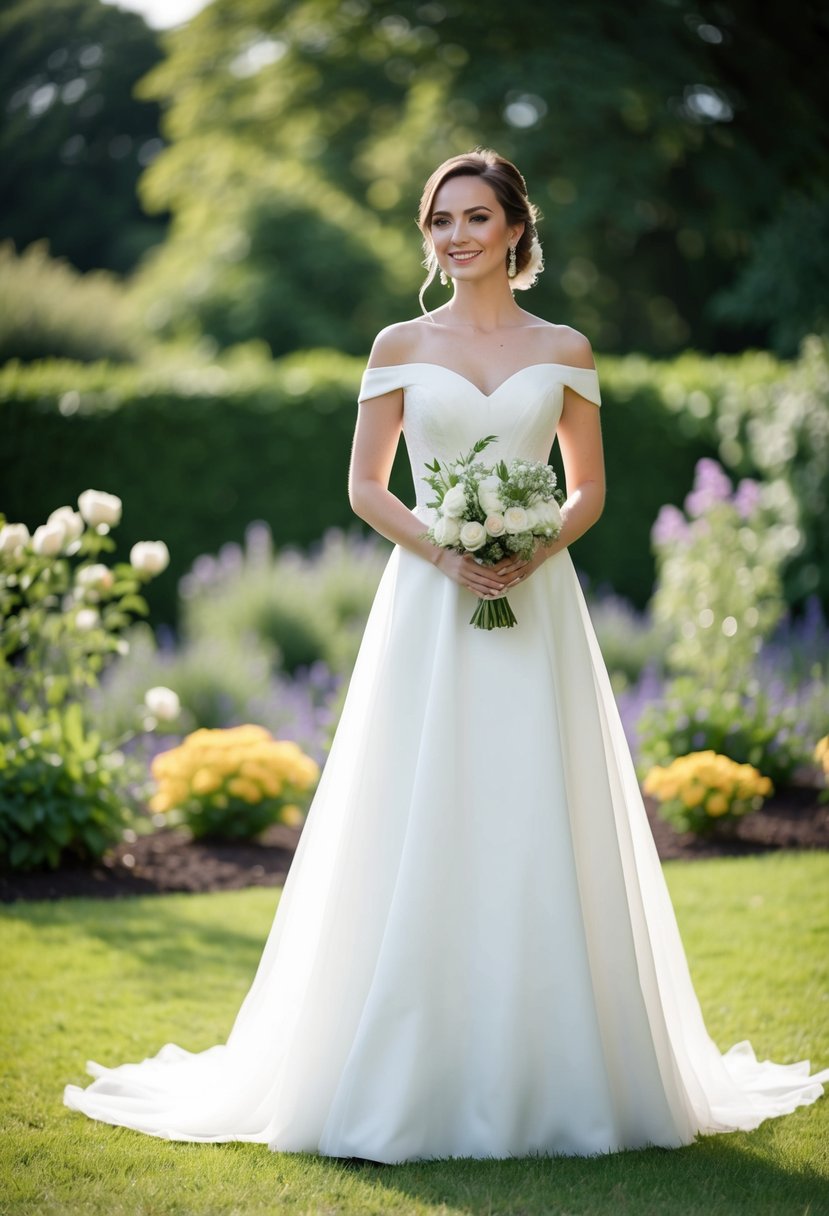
(167, 860)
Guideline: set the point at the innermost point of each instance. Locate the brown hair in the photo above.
(511, 191)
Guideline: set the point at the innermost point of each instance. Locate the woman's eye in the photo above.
(482, 218)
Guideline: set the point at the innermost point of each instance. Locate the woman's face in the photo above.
(469, 229)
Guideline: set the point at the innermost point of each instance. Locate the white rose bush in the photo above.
(63, 787)
(493, 511)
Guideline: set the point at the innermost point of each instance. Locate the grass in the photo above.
(116, 980)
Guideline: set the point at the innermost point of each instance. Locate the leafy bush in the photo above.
(718, 592)
(48, 309)
(718, 597)
(259, 437)
(231, 784)
(62, 788)
(745, 723)
(303, 609)
(62, 794)
(704, 792)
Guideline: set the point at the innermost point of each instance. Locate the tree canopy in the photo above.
(677, 152)
(74, 139)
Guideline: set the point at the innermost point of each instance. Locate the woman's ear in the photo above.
(517, 233)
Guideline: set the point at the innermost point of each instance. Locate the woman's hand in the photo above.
(487, 582)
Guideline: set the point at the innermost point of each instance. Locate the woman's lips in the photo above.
(463, 258)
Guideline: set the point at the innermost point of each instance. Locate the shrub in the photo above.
(231, 784)
(49, 309)
(718, 590)
(62, 793)
(303, 609)
(63, 785)
(743, 723)
(703, 791)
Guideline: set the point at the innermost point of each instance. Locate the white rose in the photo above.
(13, 537)
(489, 495)
(454, 502)
(72, 521)
(162, 703)
(515, 520)
(549, 514)
(495, 525)
(446, 531)
(149, 556)
(94, 578)
(49, 539)
(98, 507)
(87, 618)
(533, 518)
(473, 535)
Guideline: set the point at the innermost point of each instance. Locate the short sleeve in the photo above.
(379, 380)
(585, 381)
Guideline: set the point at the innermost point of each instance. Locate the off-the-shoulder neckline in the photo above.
(390, 367)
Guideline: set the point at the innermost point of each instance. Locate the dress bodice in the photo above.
(444, 413)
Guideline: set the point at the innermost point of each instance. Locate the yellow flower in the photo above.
(245, 789)
(716, 804)
(821, 753)
(292, 816)
(205, 781)
(692, 795)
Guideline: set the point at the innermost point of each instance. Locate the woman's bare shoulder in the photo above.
(563, 344)
(397, 344)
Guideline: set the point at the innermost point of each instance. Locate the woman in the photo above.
(475, 954)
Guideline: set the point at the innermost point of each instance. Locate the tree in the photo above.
(300, 132)
(74, 138)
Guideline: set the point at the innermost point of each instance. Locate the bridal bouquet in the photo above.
(493, 511)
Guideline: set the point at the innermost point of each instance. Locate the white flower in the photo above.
(454, 502)
(473, 535)
(87, 618)
(13, 537)
(98, 507)
(149, 556)
(49, 539)
(94, 578)
(489, 495)
(495, 525)
(548, 514)
(515, 520)
(72, 521)
(162, 703)
(446, 531)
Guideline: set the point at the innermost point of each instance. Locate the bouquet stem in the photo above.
(493, 614)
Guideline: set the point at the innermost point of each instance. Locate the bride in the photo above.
(475, 953)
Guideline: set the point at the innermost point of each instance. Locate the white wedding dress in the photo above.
(475, 954)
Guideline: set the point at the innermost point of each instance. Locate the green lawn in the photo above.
(115, 980)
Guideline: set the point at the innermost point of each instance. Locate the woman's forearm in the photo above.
(582, 508)
(386, 514)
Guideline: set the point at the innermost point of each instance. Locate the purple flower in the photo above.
(711, 485)
(747, 497)
(669, 526)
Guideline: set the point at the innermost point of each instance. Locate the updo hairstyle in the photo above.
(511, 191)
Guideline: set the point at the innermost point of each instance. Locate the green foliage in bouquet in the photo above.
(64, 788)
(493, 511)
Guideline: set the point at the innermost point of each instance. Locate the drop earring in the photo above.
(444, 280)
(512, 269)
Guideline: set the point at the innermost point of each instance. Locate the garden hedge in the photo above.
(197, 453)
